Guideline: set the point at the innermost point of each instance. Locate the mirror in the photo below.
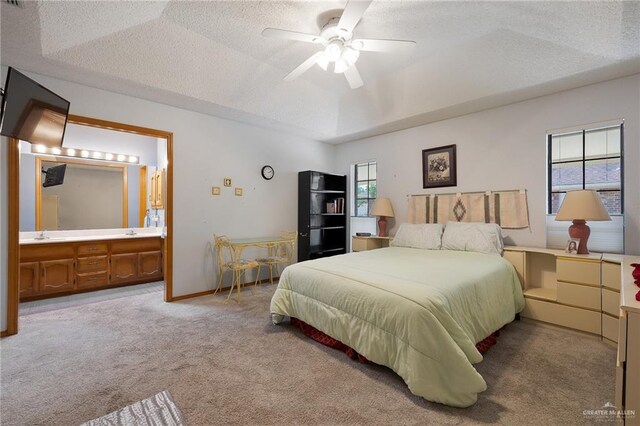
(95, 173)
(91, 196)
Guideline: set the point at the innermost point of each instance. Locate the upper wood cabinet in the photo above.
(157, 189)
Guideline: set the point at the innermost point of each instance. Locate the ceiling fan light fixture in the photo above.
(322, 60)
(350, 55)
(341, 66)
(333, 52)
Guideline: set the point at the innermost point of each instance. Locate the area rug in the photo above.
(158, 410)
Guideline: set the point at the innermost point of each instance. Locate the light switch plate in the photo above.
(227, 181)
(215, 190)
(239, 192)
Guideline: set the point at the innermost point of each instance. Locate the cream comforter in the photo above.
(419, 312)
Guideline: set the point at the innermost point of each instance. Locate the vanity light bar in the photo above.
(83, 153)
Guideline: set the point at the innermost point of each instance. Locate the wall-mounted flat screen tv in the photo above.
(31, 112)
(54, 175)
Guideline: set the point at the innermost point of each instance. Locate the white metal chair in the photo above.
(280, 254)
(229, 261)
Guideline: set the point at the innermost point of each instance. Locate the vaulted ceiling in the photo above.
(210, 56)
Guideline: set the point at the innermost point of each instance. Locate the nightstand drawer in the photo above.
(566, 316)
(578, 271)
(610, 327)
(579, 295)
(611, 274)
(611, 302)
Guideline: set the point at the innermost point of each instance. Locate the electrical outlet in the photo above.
(215, 190)
(227, 181)
(239, 192)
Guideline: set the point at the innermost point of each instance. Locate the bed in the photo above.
(419, 312)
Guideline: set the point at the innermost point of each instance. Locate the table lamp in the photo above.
(580, 206)
(382, 207)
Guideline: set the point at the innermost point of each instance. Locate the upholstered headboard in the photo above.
(505, 208)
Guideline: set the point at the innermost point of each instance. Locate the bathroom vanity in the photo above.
(64, 263)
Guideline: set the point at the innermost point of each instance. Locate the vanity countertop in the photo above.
(89, 235)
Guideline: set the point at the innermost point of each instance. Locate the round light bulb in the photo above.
(84, 153)
(41, 148)
(56, 151)
(71, 151)
(97, 155)
(108, 157)
(121, 157)
(133, 159)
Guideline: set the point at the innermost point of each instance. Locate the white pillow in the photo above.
(419, 235)
(480, 237)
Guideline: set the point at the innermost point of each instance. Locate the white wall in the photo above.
(207, 149)
(504, 148)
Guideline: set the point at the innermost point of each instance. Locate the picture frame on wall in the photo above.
(439, 167)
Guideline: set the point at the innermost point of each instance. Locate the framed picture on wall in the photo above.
(439, 168)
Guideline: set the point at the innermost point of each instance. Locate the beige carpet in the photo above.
(227, 364)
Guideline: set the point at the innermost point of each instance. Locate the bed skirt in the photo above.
(483, 346)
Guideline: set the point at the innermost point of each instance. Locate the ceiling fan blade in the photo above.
(374, 45)
(291, 35)
(353, 77)
(302, 68)
(352, 14)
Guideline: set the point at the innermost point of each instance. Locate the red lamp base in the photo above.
(382, 226)
(580, 230)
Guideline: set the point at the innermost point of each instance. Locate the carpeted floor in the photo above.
(227, 364)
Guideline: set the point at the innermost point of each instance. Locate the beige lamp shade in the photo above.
(582, 205)
(382, 207)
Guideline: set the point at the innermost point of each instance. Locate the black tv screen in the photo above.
(54, 175)
(31, 112)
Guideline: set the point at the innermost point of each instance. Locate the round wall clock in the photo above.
(267, 172)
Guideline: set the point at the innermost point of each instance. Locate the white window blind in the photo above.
(606, 237)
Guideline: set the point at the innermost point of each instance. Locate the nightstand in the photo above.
(369, 243)
(560, 288)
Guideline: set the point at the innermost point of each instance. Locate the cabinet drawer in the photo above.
(611, 302)
(578, 271)
(579, 295)
(566, 316)
(92, 280)
(91, 249)
(611, 274)
(610, 327)
(92, 264)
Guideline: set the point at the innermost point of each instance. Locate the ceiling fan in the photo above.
(340, 48)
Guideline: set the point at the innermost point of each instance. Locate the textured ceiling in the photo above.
(210, 56)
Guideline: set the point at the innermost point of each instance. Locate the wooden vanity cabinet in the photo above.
(29, 278)
(124, 267)
(56, 276)
(52, 269)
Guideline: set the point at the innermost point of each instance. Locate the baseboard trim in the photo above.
(207, 292)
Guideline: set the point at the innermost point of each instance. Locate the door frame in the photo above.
(14, 212)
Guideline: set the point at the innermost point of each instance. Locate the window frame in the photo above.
(368, 181)
(584, 161)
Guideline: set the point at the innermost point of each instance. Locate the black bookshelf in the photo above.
(322, 215)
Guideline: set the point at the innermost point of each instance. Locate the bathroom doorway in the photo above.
(142, 182)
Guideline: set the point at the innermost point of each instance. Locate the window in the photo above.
(587, 159)
(365, 188)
